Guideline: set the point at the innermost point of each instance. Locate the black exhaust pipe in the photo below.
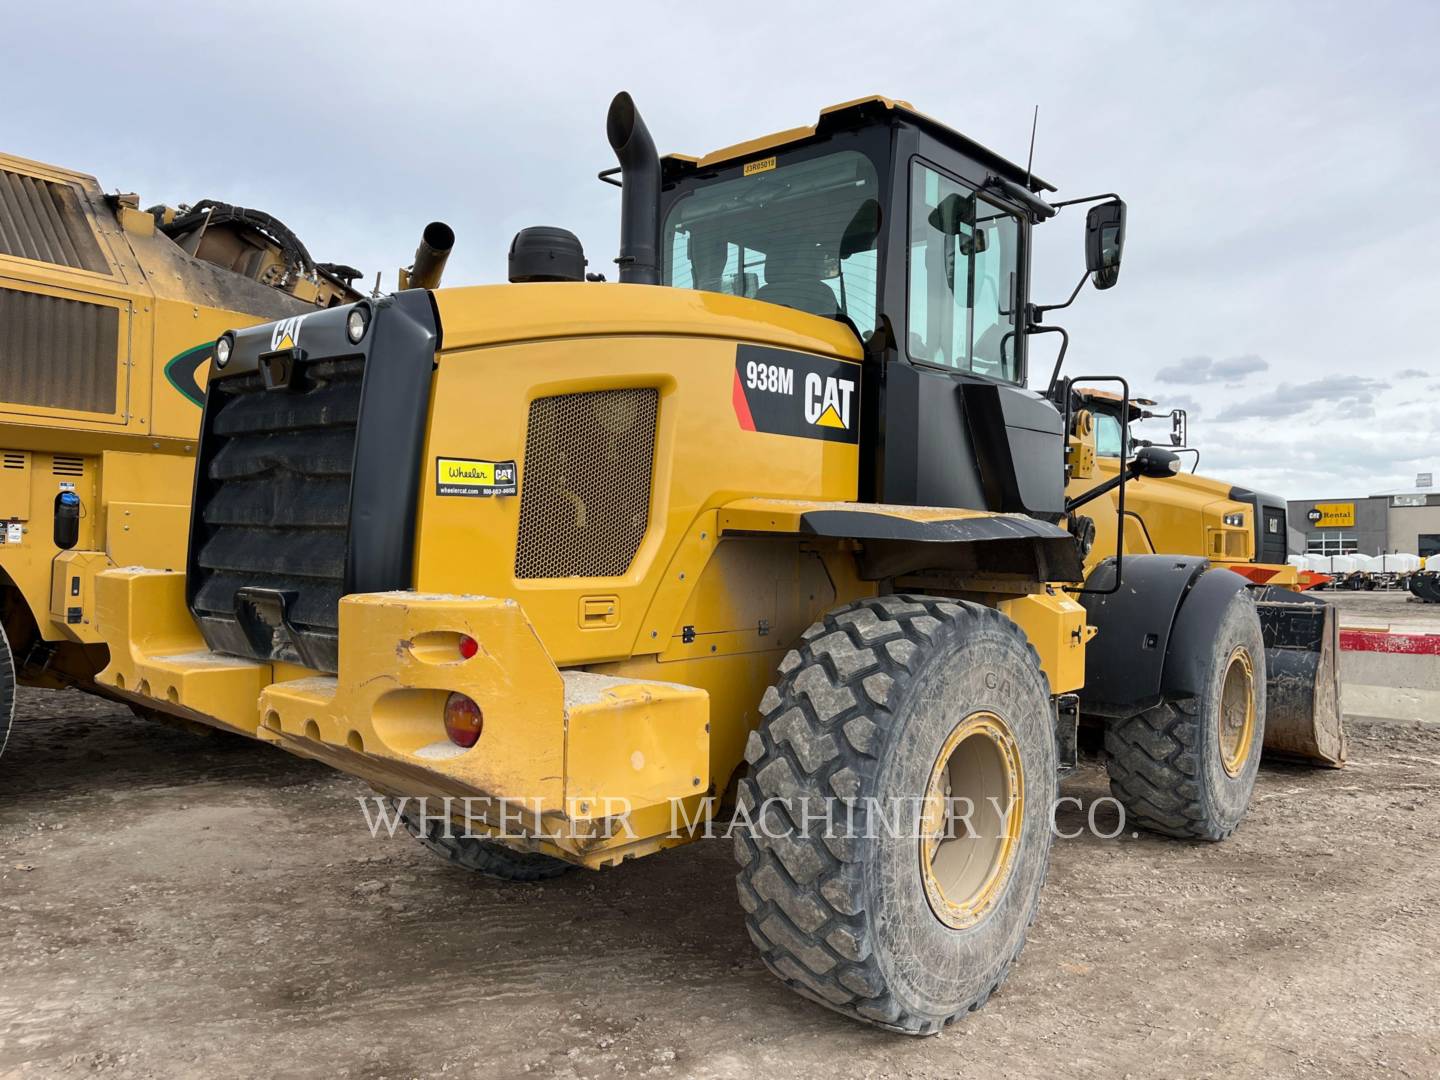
(639, 259)
(435, 244)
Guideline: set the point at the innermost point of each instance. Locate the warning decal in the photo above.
(469, 477)
(794, 393)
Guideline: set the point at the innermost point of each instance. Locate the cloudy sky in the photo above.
(1256, 144)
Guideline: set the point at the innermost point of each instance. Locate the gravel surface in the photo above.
(180, 906)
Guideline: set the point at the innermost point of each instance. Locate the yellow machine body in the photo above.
(620, 697)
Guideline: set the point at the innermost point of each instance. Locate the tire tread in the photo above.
(847, 671)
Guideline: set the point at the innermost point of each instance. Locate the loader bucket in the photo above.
(1302, 681)
(1425, 585)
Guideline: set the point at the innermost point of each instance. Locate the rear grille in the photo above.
(44, 221)
(277, 502)
(308, 478)
(65, 465)
(585, 497)
(15, 459)
(58, 353)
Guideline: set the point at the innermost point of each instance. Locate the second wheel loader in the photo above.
(1234, 528)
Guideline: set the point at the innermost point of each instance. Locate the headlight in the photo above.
(356, 324)
(1237, 520)
(222, 351)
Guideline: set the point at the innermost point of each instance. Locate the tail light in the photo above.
(468, 646)
(463, 720)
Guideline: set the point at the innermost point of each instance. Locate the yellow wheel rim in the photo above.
(971, 819)
(1237, 711)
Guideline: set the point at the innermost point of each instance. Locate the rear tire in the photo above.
(883, 697)
(488, 857)
(7, 690)
(1186, 768)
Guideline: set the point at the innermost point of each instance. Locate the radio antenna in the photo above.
(1030, 161)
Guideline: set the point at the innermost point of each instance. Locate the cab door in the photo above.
(960, 429)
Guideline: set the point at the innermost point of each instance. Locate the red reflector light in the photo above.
(468, 646)
(463, 720)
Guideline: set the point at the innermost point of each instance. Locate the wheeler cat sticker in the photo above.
(793, 393)
(475, 479)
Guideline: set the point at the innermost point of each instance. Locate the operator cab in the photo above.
(918, 238)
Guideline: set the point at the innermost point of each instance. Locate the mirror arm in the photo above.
(1038, 207)
(1087, 198)
(1037, 311)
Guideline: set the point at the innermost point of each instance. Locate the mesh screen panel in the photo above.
(585, 500)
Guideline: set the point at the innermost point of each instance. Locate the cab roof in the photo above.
(850, 114)
(1090, 393)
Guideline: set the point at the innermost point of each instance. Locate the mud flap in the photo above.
(1302, 685)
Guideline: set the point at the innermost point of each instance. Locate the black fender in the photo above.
(895, 544)
(1155, 630)
(1192, 637)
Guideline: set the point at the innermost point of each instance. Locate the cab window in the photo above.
(964, 259)
(1107, 435)
(803, 234)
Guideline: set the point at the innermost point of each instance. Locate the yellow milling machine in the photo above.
(107, 317)
(768, 533)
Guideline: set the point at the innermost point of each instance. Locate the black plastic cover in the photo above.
(970, 443)
(546, 253)
(306, 487)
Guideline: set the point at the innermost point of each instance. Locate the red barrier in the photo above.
(1381, 641)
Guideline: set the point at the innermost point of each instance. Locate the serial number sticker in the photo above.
(474, 478)
(753, 167)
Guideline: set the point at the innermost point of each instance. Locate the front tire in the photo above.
(885, 699)
(1186, 768)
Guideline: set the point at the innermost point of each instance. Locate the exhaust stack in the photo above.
(639, 259)
(435, 244)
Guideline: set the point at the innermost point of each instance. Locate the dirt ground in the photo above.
(179, 906)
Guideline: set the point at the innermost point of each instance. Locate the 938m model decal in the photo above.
(795, 393)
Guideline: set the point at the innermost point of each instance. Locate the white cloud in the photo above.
(1202, 369)
(1221, 126)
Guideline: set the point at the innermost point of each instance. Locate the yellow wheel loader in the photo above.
(767, 538)
(1233, 528)
(107, 317)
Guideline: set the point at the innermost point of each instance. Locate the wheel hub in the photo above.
(1237, 712)
(971, 820)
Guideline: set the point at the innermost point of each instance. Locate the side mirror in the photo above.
(1104, 242)
(1155, 463)
(1179, 421)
